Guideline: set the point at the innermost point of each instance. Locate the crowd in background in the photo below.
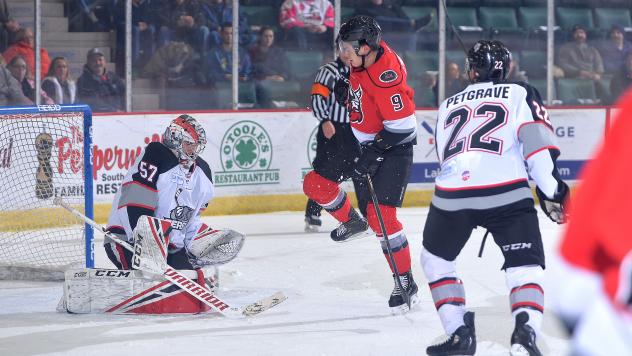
(186, 44)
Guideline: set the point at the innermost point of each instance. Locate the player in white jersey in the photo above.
(169, 181)
(484, 136)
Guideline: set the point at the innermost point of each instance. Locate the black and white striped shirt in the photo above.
(324, 104)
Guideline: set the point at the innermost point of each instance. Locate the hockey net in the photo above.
(42, 156)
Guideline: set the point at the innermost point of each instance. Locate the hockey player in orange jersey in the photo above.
(381, 112)
(594, 289)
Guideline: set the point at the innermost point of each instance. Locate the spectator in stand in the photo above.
(143, 31)
(391, 17)
(308, 22)
(454, 80)
(10, 89)
(103, 90)
(578, 59)
(219, 12)
(613, 52)
(58, 84)
(622, 80)
(268, 60)
(184, 21)
(24, 46)
(176, 65)
(219, 61)
(269, 63)
(18, 69)
(9, 27)
(95, 14)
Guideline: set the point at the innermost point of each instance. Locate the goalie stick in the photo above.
(175, 277)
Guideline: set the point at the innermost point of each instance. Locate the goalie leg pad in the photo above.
(128, 292)
(120, 257)
(151, 238)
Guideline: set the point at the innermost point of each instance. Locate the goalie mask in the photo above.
(186, 138)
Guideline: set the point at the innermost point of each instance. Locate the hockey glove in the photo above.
(341, 90)
(555, 208)
(369, 161)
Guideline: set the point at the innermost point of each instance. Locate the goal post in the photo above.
(45, 152)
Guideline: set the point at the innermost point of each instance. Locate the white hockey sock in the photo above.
(447, 290)
(451, 317)
(535, 318)
(526, 293)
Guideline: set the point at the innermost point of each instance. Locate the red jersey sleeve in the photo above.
(597, 237)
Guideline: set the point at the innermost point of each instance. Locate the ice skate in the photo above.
(350, 230)
(523, 338)
(396, 302)
(461, 342)
(312, 223)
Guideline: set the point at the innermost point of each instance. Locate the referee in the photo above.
(336, 146)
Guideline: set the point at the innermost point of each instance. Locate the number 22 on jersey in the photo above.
(485, 119)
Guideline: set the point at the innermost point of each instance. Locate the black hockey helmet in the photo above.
(490, 59)
(361, 30)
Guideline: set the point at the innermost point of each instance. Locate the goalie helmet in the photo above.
(490, 59)
(361, 30)
(186, 138)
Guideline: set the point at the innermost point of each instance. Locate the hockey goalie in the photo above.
(154, 228)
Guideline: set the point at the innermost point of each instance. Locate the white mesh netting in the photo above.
(41, 156)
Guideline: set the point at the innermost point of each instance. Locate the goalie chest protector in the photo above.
(163, 188)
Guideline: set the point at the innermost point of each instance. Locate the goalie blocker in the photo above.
(132, 292)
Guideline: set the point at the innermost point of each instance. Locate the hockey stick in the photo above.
(59, 201)
(175, 277)
(388, 243)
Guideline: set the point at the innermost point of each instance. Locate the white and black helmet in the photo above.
(185, 129)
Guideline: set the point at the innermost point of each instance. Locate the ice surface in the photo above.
(337, 301)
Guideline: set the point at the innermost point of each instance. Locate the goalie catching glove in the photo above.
(213, 247)
(555, 208)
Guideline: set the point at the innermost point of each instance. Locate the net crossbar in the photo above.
(44, 153)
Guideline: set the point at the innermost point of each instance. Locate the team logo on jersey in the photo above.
(180, 216)
(311, 152)
(246, 156)
(355, 105)
(388, 76)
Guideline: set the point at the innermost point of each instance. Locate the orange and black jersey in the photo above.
(380, 101)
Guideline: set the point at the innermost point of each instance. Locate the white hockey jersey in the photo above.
(157, 185)
(484, 135)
